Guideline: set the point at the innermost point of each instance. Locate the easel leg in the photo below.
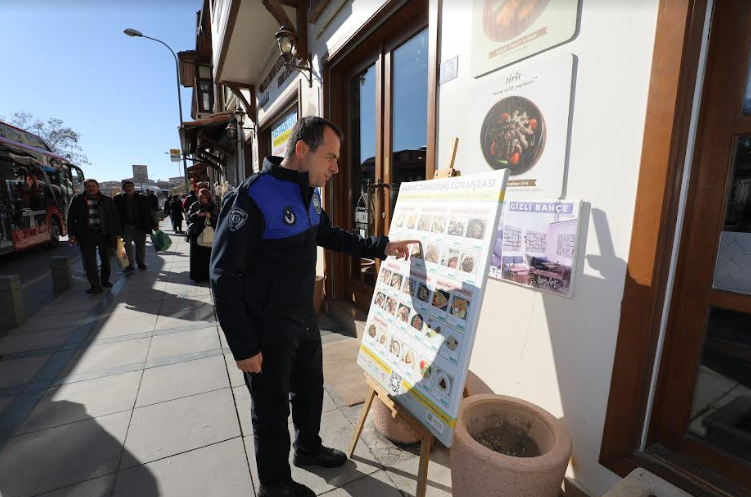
(361, 422)
(422, 475)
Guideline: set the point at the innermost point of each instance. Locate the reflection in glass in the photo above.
(362, 129)
(733, 264)
(410, 112)
(721, 410)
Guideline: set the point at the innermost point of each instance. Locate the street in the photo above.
(33, 266)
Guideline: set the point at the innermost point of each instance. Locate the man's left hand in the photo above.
(400, 250)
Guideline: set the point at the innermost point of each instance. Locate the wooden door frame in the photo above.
(673, 78)
(700, 237)
(334, 88)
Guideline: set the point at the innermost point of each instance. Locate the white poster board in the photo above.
(520, 122)
(422, 320)
(505, 31)
(537, 245)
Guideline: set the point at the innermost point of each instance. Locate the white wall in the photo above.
(553, 351)
(557, 352)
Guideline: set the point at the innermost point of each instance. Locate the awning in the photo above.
(199, 171)
(207, 132)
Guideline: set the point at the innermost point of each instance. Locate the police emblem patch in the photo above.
(289, 216)
(317, 203)
(237, 218)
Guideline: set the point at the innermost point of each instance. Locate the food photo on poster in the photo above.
(536, 245)
(521, 123)
(507, 31)
(424, 313)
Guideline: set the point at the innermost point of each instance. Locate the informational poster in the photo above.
(519, 121)
(505, 31)
(421, 325)
(536, 245)
(280, 134)
(140, 173)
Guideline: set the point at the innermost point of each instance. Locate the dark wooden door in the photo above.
(703, 398)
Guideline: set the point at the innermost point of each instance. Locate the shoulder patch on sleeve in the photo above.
(237, 218)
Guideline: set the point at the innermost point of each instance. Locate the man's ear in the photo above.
(301, 149)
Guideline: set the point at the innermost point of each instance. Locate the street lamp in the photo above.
(286, 38)
(137, 34)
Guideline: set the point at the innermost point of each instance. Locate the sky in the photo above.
(70, 59)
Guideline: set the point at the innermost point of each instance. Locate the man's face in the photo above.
(148, 192)
(322, 164)
(92, 188)
(129, 189)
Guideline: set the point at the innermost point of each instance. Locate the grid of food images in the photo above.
(422, 307)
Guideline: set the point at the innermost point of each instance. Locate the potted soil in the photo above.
(507, 447)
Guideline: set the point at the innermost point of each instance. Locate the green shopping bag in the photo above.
(161, 241)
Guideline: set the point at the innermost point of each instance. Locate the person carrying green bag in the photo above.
(161, 241)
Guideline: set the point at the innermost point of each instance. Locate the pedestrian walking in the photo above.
(93, 223)
(263, 269)
(176, 214)
(167, 207)
(136, 222)
(153, 205)
(191, 199)
(202, 213)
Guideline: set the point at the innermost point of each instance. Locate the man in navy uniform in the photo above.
(263, 268)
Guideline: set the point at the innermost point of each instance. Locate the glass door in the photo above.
(703, 400)
(385, 124)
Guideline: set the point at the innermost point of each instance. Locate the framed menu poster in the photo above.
(506, 31)
(422, 320)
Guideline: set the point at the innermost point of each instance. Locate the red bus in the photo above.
(36, 186)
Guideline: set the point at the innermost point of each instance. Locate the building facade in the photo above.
(638, 112)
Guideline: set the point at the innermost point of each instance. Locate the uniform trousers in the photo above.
(292, 373)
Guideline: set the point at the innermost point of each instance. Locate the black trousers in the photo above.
(89, 246)
(292, 373)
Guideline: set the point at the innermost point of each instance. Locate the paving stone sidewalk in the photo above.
(135, 393)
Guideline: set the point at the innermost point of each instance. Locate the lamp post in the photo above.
(137, 34)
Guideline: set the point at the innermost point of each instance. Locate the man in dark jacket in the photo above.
(93, 223)
(263, 269)
(136, 222)
(190, 200)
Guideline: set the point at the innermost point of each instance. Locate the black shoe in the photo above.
(142, 267)
(289, 489)
(107, 284)
(128, 269)
(95, 290)
(325, 457)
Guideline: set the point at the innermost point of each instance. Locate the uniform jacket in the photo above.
(144, 221)
(78, 219)
(263, 261)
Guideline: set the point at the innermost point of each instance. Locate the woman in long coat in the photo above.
(176, 214)
(201, 213)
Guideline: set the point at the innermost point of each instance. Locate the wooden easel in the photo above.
(449, 171)
(426, 438)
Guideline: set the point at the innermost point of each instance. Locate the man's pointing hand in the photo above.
(400, 250)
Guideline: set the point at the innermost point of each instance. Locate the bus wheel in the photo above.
(54, 234)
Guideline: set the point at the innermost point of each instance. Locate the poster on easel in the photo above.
(536, 245)
(506, 31)
(424, 313)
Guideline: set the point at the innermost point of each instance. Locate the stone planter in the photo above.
(394, 429)
(318, 295)
(477, 470)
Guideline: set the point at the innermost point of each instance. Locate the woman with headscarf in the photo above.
(202, 213)
(176, 214)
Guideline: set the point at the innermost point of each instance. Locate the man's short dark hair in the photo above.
(91, 180)
(128, 182)
(310, 131)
